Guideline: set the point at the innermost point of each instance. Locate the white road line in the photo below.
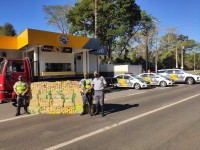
(118, 124)
(26, 116)
(136, 93)
(162, 88)
(19, 117)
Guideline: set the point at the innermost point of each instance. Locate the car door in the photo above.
(145, 77)
(179, 74)
(120, 81)
(172, 75)
(128, 79)
(154, 79)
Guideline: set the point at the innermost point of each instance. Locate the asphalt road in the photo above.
(148, 119)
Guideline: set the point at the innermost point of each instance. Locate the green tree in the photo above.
(56, 16)
(2, 30)
(167, 59)
(7, 30)
(148, 31)
(176, 43)
(168, 41)
(116, 20)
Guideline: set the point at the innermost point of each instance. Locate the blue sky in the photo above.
(182, 14)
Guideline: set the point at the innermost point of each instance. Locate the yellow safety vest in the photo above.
(86, 84)
(20, 87)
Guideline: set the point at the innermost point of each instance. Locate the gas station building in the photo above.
(54, 54)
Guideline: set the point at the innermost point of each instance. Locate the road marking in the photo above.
(19, 117)
(26, 116)
(136, 93)
(118, 124)
(163, 88)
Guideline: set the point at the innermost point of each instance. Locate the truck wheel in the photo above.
(137, 86)
(163, 84)
(190, 80)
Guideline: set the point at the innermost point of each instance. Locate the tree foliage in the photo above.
(129, 34)
(7, 30)
(116, 20)
(56, 16)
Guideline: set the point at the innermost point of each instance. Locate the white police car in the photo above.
(179, 75)
(156, 79)
(129, 80)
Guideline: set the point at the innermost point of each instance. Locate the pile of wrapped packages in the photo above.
(55, 98)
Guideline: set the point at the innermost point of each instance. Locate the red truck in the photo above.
(10, 69)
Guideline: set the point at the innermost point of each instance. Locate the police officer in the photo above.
(86, 94)
(99, 85)
(21, 88)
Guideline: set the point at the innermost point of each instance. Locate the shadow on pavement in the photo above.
(112, 108)
(112, 90)
(14, 104)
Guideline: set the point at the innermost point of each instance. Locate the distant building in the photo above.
(54, 54)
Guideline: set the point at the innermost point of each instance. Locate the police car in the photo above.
(156, 79)
(129, 80)
(179, 75)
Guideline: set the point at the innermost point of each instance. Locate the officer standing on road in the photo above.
(21, 89)
(99, 85)
(87, 95)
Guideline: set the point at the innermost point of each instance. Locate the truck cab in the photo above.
(10, 70)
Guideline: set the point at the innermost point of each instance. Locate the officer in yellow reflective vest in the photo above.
(86, 94)
(21, 88)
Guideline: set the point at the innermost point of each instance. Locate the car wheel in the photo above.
(137, 86)
(114, 86)
(163, 84)
(190, 80)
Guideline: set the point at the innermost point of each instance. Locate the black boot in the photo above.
(18, 111)
(83, 112)
(90, 110)
(102, 111)
(26, 110)
(96, 109)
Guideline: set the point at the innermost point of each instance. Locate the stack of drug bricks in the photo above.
(55, 98)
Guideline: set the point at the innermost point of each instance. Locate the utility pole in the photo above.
(182, 57)
(176, 57)
(95, 27)
(95, 15)
(147, 53)
(194, 61)
(156, 59)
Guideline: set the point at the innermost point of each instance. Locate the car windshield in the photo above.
(161, 71)
(183, 71)
(135, 76)
(2, 66)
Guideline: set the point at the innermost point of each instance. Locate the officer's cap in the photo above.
(96, 72)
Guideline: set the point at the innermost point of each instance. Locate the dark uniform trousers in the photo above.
(22, 102)
(87, 100)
